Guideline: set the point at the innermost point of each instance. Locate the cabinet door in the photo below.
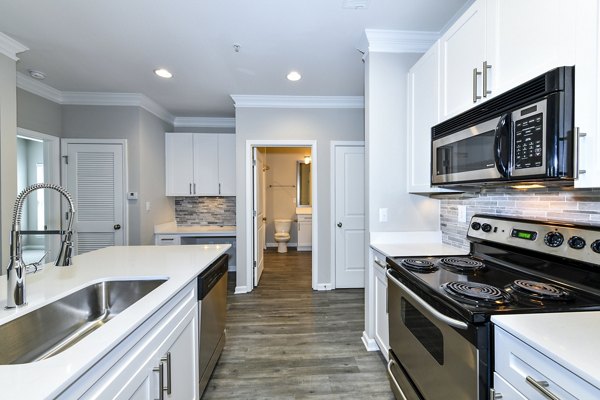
(179, 163)
(184, 364)
(227, 164)
(521, 42)
(463, 48)
(206, 167)
(381, 314)
(587, 88)
(304, 235)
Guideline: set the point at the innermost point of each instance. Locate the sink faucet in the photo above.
(16, 270)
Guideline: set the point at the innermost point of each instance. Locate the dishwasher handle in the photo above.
(211, 276)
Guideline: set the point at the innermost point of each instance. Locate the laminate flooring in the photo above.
(286, 341)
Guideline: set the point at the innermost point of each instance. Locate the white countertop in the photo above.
(171, 228)
(570, 339)
(303, 210)
(47, 378)
(406, 244)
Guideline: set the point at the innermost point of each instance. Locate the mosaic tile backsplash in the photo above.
(205, 210)
(578, 206)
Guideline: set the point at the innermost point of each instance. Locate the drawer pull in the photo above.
(380, 263)
(541, 386)
(169, 239)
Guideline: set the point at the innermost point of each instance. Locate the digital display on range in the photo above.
(521, 234)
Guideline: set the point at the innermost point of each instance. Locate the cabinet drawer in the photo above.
(304, 218)
(504, 390)
(167, 240)
(516, 360)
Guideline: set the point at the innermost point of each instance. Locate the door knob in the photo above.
(117, 227)
(339, 224)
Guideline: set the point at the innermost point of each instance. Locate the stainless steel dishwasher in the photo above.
(212, 303)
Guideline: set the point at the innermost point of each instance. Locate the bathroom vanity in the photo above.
(304, 227)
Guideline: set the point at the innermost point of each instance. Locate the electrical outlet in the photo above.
(383, 215)
(462, 213)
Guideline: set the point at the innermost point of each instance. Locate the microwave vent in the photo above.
(533, 89)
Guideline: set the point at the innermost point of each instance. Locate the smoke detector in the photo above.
(37, 74)
(355, 4)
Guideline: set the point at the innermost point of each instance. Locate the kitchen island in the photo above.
(104, 353)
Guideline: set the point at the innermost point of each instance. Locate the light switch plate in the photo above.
(383, 215)
(462, 213)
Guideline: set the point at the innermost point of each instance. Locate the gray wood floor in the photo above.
(286, 341)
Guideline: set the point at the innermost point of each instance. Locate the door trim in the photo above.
(334, 144)
(250, 144)
(123, 142)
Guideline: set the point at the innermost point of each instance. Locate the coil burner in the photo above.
(418, 265)
(538, 291)
(461, 264)
(476, 293)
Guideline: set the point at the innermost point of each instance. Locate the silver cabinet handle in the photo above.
(486, 66)
(435, 313)
(495, 395)
(194, 188)
(381, 264)
(167, 359)
(541, 386)
(475, 74)
(161, 382)
(393, 379)
(578, 135)
(219, 188)
(190, 188)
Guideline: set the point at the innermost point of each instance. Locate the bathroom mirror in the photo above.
(303, 195)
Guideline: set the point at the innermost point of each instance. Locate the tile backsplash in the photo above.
(205, 210)
(578, 206)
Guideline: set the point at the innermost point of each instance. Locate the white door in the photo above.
(350, 216)
(258, 214)
(94, 177)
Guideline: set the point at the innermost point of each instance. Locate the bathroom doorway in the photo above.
(283, 208)
(37, 162)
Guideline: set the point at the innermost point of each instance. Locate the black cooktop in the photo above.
(476, 288)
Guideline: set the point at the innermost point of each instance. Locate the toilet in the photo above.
(282, 234)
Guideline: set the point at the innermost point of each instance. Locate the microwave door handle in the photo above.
(501, 145)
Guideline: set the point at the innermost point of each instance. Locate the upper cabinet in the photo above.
(200, 164)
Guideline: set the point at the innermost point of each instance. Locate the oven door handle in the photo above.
(501, 145)
(393, 379)
(444, 318)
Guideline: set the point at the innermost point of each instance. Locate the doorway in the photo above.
(280, 188)
(37, 162)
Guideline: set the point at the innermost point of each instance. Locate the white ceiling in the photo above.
(114, 45)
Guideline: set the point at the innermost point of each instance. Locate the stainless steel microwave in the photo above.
(523, 135)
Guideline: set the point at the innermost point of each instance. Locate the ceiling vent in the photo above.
(355, 4)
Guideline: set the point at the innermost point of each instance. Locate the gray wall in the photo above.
(38, 114)
(386, 137)
(322, 125)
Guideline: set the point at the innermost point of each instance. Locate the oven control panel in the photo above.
(577, 242)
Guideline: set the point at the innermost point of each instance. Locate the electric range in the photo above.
(440, 307)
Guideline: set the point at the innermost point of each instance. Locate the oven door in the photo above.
(430, 347)
(479, 153)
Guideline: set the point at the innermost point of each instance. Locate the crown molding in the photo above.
(204, 122)
(260, 101)
(387, 41)
(10, 47)
(38, 88)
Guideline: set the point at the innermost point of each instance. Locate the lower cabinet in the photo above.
(304, 232)
(380, 297)
(159, 360)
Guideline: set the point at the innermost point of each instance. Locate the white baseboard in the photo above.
(323, 286)
(370, 344)
(241, 290)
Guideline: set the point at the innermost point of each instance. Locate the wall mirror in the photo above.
(303, 194)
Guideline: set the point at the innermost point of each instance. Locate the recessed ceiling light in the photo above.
(37, 74)
(163, 73)
(294, 76)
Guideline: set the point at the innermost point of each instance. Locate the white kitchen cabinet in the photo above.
(423, 113)
(131, 369)
(522, 367)
(200, 164)
(380, 297)
(304, 232)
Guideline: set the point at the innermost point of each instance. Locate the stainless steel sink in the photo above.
(57, 326)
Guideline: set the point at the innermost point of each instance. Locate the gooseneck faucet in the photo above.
(16, 270)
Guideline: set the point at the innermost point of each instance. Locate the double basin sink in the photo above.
(57, 326)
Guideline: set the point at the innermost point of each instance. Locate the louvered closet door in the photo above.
(95, 180)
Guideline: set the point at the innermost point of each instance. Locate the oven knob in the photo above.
(486, 227)
(576, 242)
(553, 239)
(596, 246)
(476, 226)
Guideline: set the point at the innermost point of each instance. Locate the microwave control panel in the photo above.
(529, 142)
